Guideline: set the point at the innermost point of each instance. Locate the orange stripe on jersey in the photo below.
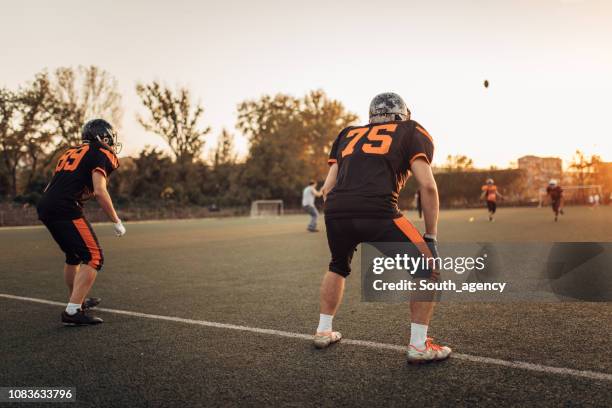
(413, 235)
(416, 156)
(101, 170)
(332, 161)
(90, 242)
(423, 131)
(113, 159)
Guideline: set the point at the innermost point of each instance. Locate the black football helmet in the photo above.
(101, 131)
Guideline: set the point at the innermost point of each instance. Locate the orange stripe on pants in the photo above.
(413, 235)
(90, 242)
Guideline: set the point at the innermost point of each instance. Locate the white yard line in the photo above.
(173, 220)
(594, 375)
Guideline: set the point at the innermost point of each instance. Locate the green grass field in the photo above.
(265, 274)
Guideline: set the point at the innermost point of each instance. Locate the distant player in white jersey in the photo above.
(309, 194)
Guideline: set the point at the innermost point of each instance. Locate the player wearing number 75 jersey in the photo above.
(369, 165)
(80, 174)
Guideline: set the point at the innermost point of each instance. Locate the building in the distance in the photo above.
(538, 172)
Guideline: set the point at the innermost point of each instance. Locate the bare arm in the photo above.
(104, 199)
(330, 181)
(429, 195)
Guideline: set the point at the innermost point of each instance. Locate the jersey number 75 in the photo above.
(382, 141)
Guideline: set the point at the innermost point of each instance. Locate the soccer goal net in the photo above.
(576, 194)
(267, 208)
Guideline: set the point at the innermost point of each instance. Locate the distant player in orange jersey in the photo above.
(490, 194)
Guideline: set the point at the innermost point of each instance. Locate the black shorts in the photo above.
(556, 205)
(492, 206)
(78, 241)
(344, 234)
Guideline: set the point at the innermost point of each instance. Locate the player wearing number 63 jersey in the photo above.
(81, 173)
(369, 165)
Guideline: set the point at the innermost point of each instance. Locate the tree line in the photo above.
(41, 118)
(289, 138)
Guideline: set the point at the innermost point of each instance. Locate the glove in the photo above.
(119, 229)
(432, 243)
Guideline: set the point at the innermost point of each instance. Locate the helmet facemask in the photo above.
(110, 139)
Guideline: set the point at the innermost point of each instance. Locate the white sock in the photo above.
(72, 308)
(418, 335)
(325, 323)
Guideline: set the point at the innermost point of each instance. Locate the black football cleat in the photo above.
(90, 303)
(80, 318)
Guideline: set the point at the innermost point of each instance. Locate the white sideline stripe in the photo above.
(362, 343)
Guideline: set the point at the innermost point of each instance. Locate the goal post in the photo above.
(267, 208)
(574, 194)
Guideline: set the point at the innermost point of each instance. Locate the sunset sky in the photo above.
(549, 62)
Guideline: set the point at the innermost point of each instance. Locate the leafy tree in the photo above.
(275, 166)
(322, 119)
(582, 167)
(290, 138)
(45, 115)
(10, 153)
(224, 154)
(36, 132)
(174, 117)
(458, 163)
(81, 94)
(224, 170)
(584, 170)
(24, 131)
(152, 173)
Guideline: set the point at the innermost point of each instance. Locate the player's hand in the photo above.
(119, 229)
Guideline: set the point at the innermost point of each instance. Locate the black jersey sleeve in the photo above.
(103, 160)
(420, 145)
(333, 153)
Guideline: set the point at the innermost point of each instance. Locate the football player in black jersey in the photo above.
(555, 192)
(369, 165)
(81, 173)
